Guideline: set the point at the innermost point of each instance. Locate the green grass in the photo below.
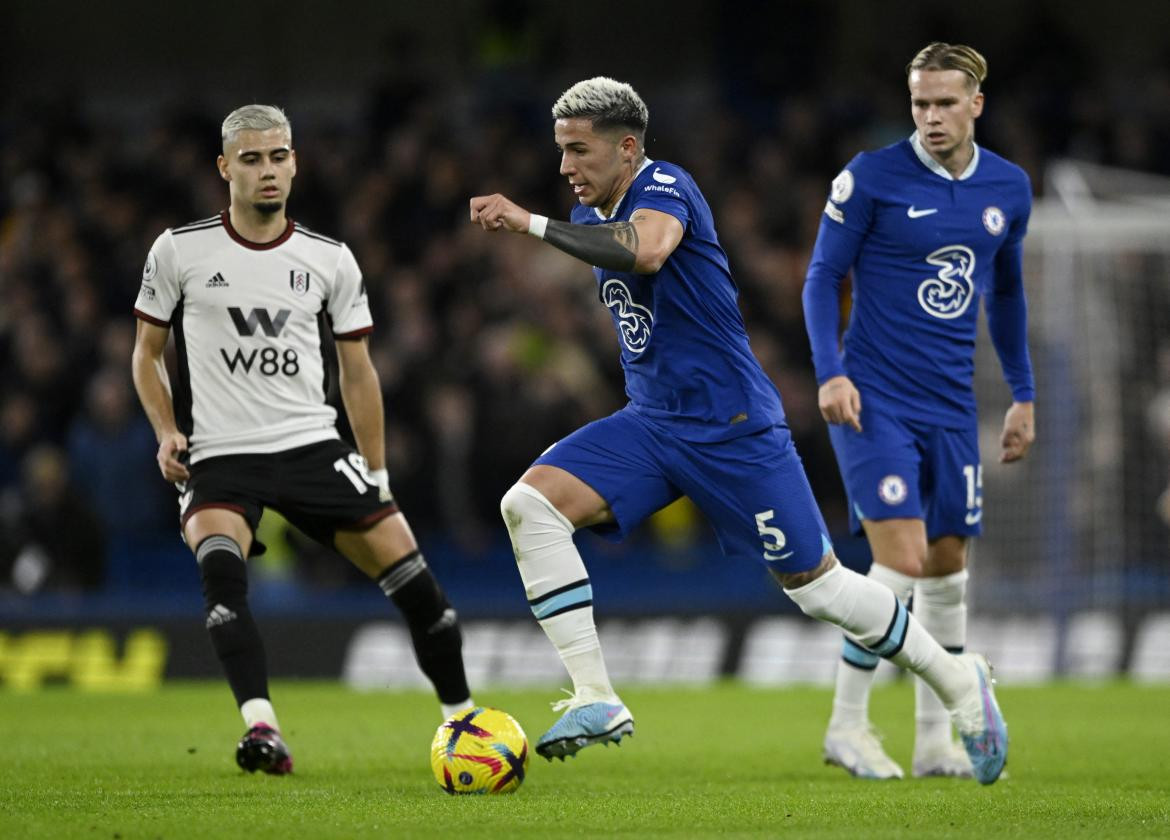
(726, 760)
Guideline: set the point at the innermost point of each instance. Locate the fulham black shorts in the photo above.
(320, 488)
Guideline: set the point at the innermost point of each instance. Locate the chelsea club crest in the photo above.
(892, 490)
(993, 220)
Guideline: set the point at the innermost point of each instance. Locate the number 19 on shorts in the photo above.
(355, 468)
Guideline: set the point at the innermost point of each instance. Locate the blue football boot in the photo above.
(981, 724)
(584, 724)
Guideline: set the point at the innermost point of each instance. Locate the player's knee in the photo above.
(795, 580)
(517, 506)
(223, 573)
(526, 510)
(906, 556)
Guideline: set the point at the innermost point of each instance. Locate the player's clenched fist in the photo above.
(495, 212)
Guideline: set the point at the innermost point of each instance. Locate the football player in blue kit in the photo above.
(928, 225)
(703, 421)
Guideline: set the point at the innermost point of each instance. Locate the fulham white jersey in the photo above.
(249, 321)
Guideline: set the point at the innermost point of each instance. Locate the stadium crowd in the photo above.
(487, 351)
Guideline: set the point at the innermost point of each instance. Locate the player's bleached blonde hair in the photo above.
(607, 102)
(253, 118)
(941, 56)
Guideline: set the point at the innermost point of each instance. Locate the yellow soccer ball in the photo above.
(479, 750)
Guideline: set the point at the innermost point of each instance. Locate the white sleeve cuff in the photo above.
(537, 225)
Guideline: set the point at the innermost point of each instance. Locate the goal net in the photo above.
(1075, 527)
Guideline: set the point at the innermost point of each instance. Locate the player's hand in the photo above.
(172, 457)
(840, 402)
(1019, 430)
(1163, 506)
(495, 212)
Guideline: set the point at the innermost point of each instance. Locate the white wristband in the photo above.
(382, 480)
(537, 225)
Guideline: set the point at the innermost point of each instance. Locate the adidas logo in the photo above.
(447, 619)
(217, 282)
(219, 615)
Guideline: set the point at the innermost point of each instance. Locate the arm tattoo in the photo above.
(613, 246)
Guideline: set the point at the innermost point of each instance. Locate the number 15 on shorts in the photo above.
(973, 475)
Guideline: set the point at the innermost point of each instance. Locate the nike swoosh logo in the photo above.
(972, 518)
(918, 214)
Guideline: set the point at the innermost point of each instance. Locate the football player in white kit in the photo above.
(249, 295)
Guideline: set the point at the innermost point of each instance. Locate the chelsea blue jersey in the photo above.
(684, 348)
(924, 247)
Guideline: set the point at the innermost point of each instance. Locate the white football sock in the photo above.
(857, 667)
(871, 614)
(448, 709)
(259, 710)
(940, 607)
(557, 587)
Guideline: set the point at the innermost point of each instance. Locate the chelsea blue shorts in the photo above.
(897, 468)
(752, 489)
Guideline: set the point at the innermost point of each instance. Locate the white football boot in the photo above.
(859, 750)
(943, 758)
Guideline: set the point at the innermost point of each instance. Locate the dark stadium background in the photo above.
(489, 348)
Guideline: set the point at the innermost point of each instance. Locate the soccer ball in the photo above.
(479, 750)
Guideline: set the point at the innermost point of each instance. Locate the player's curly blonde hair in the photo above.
(607, 102)
(942, 56)
(253, 118)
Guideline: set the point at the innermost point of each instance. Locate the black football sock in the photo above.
(433, 623)
(233, 631)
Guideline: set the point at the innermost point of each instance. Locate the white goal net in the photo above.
(1076, 526)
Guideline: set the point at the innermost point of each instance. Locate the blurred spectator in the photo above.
(51, 538)
(112, 461)
(18, 432)
(485, 355)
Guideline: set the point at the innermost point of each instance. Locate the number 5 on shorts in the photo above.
(774, 539)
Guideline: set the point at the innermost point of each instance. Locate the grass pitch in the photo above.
(722, 761)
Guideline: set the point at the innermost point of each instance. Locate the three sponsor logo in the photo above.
(948, 294)
(635, 322)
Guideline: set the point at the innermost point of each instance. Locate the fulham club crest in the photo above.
(298, 281)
